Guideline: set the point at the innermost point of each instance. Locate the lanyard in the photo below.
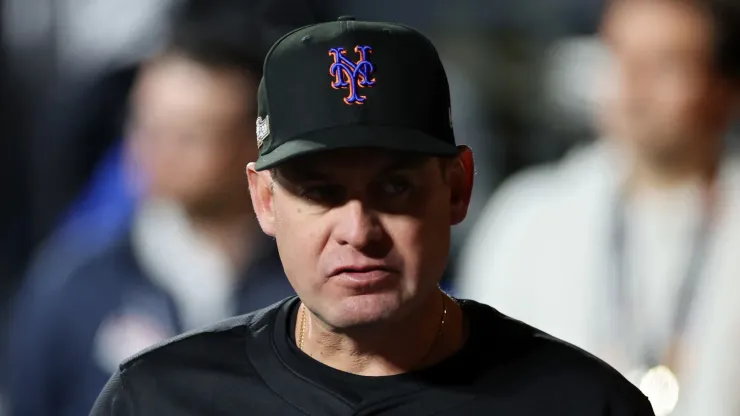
(651, 352)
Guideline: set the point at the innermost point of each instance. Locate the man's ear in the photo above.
(262, 193)
(461, 177)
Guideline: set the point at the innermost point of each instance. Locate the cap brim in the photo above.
(356, 136)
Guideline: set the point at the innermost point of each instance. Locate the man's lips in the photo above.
(364, 278)
(359, 272)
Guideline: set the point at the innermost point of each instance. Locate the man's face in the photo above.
(667, 96)
(363, 234)
(192, 131)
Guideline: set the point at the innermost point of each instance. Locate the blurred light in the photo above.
(93, 33)
(576, 80)
(26, 23)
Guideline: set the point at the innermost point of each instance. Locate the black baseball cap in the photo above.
(349, 84)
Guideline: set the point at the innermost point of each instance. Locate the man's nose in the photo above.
(357, 225)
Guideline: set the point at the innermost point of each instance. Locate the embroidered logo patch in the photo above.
(352, 76)
(263, 130)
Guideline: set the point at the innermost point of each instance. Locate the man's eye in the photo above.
(396, 186)
(323, 193)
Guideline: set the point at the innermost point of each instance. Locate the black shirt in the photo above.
(250, 365)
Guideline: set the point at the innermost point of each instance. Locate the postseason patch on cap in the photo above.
(263, 130)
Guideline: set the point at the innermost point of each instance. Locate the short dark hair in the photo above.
(218, 33)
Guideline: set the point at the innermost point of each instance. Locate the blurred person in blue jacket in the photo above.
(193, 253)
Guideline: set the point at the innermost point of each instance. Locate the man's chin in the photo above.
(362, 311)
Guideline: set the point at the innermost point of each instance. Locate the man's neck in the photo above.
(416, 342)
(647, 176)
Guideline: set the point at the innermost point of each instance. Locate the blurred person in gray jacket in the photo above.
(629, 248)
(193, 254)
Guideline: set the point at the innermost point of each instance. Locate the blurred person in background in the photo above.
(193, 254)
(629, 247)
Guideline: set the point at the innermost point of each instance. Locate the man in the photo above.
(629, 249)
(192, 254)
(359, 180)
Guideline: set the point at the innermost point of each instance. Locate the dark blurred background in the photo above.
(74, 227)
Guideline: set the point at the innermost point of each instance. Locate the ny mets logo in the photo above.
(350, 75)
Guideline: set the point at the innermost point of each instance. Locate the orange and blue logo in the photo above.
(350, 75)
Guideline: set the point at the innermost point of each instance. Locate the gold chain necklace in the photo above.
(303, 327)
(302, 331)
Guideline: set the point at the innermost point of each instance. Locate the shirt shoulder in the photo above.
(202, 361)
(200, 368)
(542, 367)
(114, 400)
